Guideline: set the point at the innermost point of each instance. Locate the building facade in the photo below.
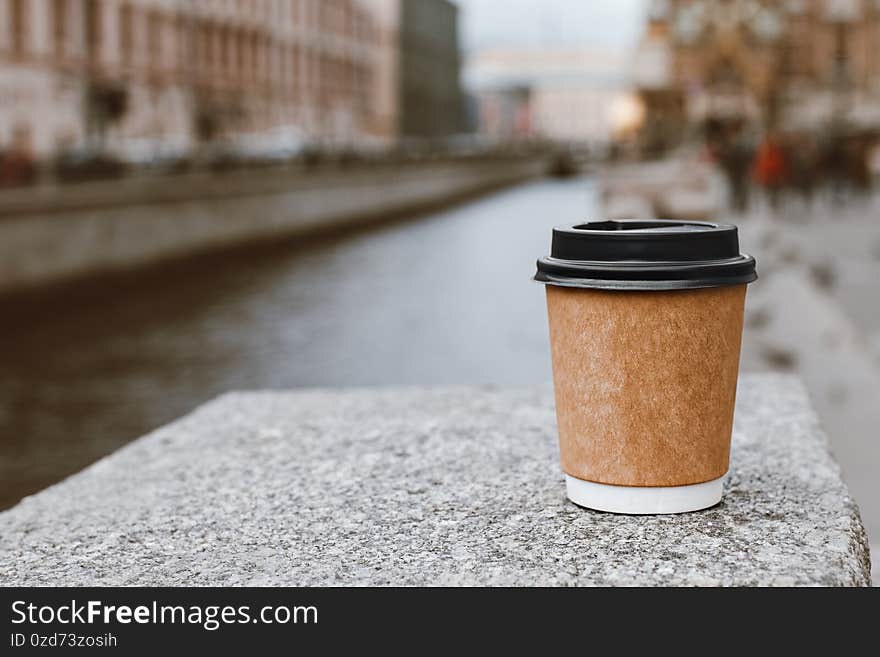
(113, 73)
(384, 89)
(562, 94)
(431, 99)
(799, 63)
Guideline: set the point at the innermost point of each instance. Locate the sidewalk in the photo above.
(816, 312)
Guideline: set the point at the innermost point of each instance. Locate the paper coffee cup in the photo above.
(645, 332)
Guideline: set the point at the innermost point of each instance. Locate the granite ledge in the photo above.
(427, 486)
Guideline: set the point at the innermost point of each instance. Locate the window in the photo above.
(154, 39)
(209, 48)
(255, 55)
(347, 10)
(202, 46)
(126, 33)
(19, 23)
(242, 52)
(227, 50)
(285, 65)
(94, 26)
(59, 27)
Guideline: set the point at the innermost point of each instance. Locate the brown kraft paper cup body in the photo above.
(645, 382)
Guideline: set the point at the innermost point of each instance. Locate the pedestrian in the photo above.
(834, 166)
(858, 162)
(803, 158)
(770, 168)
(735, 158)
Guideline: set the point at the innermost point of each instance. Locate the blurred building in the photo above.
(384, 90)
(800, 63)
(122, 73)
(560, 94)
(431, 100)
(505, 112)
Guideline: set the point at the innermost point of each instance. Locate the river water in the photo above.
(441, 298)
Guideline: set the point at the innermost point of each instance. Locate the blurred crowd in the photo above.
(777, 165)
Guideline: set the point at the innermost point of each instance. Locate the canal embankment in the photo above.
(52, 233)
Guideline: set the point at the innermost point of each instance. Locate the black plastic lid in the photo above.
(645, 254)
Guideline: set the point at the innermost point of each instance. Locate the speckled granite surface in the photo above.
(426, 486)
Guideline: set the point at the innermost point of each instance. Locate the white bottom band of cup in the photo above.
(644, 500)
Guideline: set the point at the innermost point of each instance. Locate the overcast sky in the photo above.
(599, 23)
